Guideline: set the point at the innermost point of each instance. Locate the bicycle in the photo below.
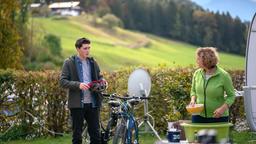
(108, 131)
(127, 131)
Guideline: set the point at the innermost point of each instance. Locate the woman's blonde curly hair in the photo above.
(208, 57)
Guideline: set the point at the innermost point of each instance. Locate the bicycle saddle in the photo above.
(134, 101)
(114, 103)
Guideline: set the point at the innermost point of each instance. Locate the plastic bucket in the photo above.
(191, 129)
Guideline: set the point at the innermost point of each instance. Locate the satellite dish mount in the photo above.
(139, 84)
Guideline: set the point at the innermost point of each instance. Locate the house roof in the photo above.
(35, 5)
(64, 4)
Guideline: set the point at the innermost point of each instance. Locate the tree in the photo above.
(239, 37)
(11, 51)
(22, 19)
(176, 33)
(171, 11)
(102, 8)
(88, 5)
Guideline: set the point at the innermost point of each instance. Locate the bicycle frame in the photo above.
(112, 122)
(127, 131)
(131, 123)
(106, 133)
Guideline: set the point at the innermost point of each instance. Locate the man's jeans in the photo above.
(91, 115)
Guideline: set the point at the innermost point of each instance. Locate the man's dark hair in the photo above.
(82, 41)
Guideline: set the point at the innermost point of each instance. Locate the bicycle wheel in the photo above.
(107, 132)
(120, 134)
(85, 134)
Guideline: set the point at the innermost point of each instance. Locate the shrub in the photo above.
(44, 54)
(170, 93)
(53, 43)
(42, 11)
(111, 21)
(39, 93)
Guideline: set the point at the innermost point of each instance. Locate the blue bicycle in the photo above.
(127, 131)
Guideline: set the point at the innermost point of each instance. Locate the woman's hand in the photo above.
(219, 111)
(192, 101)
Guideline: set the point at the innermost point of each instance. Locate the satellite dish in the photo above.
(139, 83)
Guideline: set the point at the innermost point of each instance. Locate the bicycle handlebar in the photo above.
(114, 95)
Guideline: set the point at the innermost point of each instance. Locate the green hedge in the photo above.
(36, 93)
(170, 93)
(39, 94)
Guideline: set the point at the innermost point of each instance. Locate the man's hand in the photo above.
(219, 111)
(84, 86)
(99, 86)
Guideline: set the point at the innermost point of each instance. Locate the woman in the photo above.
(211, 86)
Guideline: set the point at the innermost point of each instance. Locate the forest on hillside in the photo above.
(182, 20)
(174, 19)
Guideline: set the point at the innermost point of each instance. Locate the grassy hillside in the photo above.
(117, 48)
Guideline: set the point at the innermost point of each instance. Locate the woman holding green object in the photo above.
(211, 86)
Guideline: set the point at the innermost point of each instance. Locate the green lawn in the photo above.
(119, 47)
(239, 138)
(145, 139)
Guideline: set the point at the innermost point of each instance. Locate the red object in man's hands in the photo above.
(98, 85)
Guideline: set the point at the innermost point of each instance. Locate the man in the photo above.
(77, 72)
